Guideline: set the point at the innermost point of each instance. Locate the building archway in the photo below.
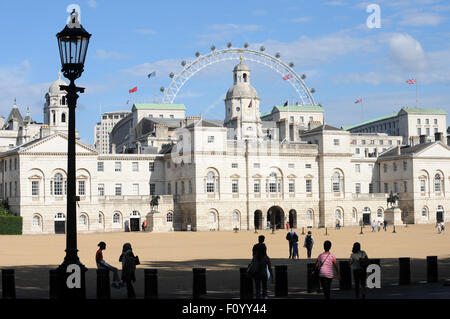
(292, 218)
(213, 220)
(275, 215)
(440, 214)
(258, 219)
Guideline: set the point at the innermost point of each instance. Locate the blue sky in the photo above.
(327, 40)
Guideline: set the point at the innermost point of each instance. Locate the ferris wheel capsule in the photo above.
(197, 54)
(262, 48)
(162, 88)
(183, 63)
(171, 75)
(277, 55)
(246, 45)
(313, 90)
(303, 76)
(213, 47)
(291, 64)
(229, 45)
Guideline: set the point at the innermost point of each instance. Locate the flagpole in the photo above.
(416, 92)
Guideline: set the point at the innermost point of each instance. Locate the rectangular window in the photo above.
(168, 164)
(357, 168)
(291, 186)
(395, 167)
(257, 186)
(422, 186)
(427, 121)
(390, 142)
(336, 142)
(135, 166)
(190, 187)
(363, 142)
(405, 164)
(182, 187)
(235, 186)
(210, 139)
(307, 165)
(169, 189)
(358, 188)
(395, 187)
(357, 150)
(151, 166)
(117, 166)
(135, 189)
(81, 188)
(370, 188)
(118, 190)
(418, 121)
(386, 188)
(256, 165)
(435, 121)
(152, 189)
(101, 189)
(405, 186)
(291, 165)
(427, 131)
(309, 186)
(381, 142)
(419, 131)
(99, 166)
(234, 165)
(35, 188)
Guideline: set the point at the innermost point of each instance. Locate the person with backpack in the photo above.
(385, 225)
(325, 263)
(358, 263)
(260, 269)
(292, 238)
(129, 262)
(308, 244)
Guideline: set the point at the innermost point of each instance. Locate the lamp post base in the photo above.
(72, 279)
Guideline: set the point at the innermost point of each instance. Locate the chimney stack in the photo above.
(438, 136)
(423, 139)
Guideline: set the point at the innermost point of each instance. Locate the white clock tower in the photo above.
(242, 106)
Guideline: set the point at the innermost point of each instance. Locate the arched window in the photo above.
(100, 218)
(117, 219)
(212, 217)
(424, 213)
(169, 217)
(380, 213)
(245, 77)
(63, 102)
(36, 221)
(338, 214)
(58, 184)
(63, 117)
(82, 221)
(210, 182)
(336, 182)
(437, 183)
(309, 214)
(273, 182)
(54, 117)
(235, 216)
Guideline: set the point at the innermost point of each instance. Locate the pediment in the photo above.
(435, 150)
(56, 143)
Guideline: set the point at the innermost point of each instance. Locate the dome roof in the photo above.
(242, 90)
(54, 88)
(241, 67)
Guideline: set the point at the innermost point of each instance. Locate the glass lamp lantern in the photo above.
(73, 43)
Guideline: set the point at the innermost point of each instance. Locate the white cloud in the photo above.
(225, 32)
(335, 3)
(92, 3)
(145, 31)
(103, 55)
(161, 67)
(407, 53)
(301, 19)
(421, 19)
(14, 83)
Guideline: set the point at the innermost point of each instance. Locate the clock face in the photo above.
(238, 109)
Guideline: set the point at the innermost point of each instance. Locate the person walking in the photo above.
(438, 225)
(260, 270)
(379, 225)
(358, 262)
(129, 262)
(144, 225)
(385, 225)
(325, 263)
(261, 239)
(291, 237)
(374, 224)
(442, 226)
(102, 264)
(308, 244)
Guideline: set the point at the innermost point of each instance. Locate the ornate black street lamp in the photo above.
(73, 43)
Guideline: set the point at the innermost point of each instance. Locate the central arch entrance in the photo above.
(258, 219)
(292, 218)
(275, 216)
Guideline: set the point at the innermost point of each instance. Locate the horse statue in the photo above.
(392, 199)
(155, 201)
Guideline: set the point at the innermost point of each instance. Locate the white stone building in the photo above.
(103, 129)
(242, 172)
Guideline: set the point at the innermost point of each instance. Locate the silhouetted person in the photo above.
(129, 262)
(309, 243)
(359, 270)
(292, 238)
(102, 264)
(260, 243)
(263, 269)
